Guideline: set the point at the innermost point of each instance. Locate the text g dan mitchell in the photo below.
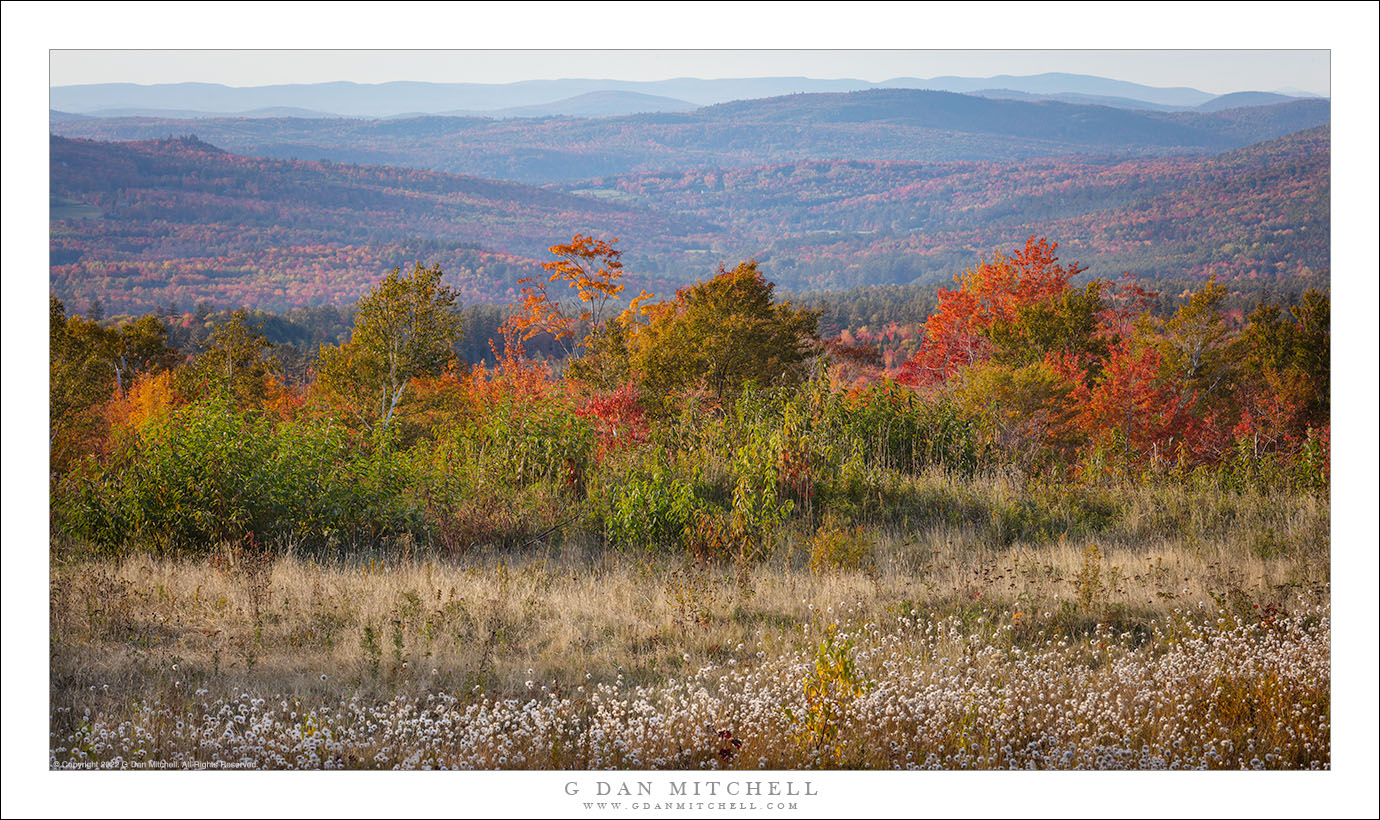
(694, 788)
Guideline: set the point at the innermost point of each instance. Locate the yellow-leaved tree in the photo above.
(718, 335)
(406, 328)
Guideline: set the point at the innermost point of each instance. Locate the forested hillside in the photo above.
(1259, 216)
(139, 225)
(179, 220)
(885, 124)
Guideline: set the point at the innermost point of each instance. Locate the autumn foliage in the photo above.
(183, 221)
(1090, 374)
(714, 416)
(990, 292)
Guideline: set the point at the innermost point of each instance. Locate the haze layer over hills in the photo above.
(547, 97)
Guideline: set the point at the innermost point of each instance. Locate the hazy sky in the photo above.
(1215, 71)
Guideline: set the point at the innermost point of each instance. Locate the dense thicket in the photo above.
(705, 422)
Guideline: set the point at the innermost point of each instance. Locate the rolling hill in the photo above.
(1259, 213)
(1244, 99)
(887, 124)
(141, 224)
(593, 104)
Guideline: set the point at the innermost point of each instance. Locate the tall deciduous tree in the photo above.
(993, 293)
(238, 359)
(1284, 368)
(90, 363)
(720, 334)
(1066, 324)
(1195, 340)
(592, 267)
(406, 327)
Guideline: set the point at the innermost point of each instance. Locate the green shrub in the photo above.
(893, 427)
(212, 473)
(758, 503)
(518, 445)
(199, 479)
(503, 478)
(653, 510)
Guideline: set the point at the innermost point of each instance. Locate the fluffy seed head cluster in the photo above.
(923, 694)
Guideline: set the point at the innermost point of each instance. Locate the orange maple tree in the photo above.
(589, 266)
(149, 400)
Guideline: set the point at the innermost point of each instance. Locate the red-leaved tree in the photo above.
(993, 290)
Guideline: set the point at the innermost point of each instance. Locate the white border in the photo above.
(1348, 29)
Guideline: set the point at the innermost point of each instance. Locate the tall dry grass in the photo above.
(950, 613)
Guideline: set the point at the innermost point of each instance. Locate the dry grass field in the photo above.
(1190, 631)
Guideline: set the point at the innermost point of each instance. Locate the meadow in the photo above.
(1190, 631)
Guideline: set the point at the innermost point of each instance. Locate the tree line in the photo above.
(706, 421)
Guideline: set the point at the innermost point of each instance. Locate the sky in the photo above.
(1215, 71)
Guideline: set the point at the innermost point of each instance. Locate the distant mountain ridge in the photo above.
(1094, 125)
(178, 113)
(1244, 99)
(593, 104)
(395, 98)
(1076, 99)
(875, 124)
(1061, 83)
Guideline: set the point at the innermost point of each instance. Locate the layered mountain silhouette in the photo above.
(551, 96)
(876, 124)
